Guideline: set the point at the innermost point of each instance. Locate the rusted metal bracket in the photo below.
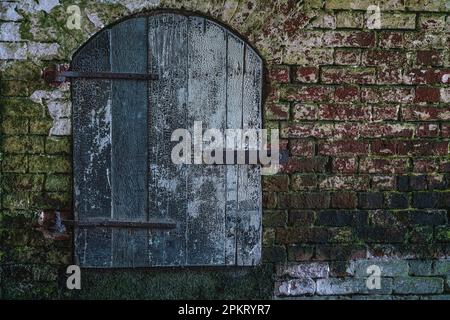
(58, 74)
(97, 223)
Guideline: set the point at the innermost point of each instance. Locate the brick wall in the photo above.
(363, 112)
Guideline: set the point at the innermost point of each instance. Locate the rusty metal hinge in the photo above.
(58, 74)
(102, 223)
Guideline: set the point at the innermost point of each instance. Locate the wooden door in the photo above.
(134, 206)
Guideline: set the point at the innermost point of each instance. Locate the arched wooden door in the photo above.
(133, 206)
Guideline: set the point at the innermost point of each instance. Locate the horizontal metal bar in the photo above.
(151, 224)
(108, 75)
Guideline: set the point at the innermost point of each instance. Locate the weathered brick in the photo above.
(422, 148)
(304, 111)
(381, 165)
(344, 165)
(306, 93)
(274, 218)
(344, 148)
(307, 74)
(386, 112)
(300, 252)
(273, 254)
(304, 270)
(279, 74)
(424, 113)
(441, 267)
(432, 22)
(370, 200)
(296, 287)
(417, 182)
(276, 183)
(305, 164)
(301, 235)
(428, 130)
(429, 57)
(335, 218)
(398, 21)
(277, 111)
(388, 267)
(339, 112)
(344, 56)
(351, 75)
(391, 39)
(349, 19)
(304, 182)
(383, 147)
(345, 182)
(392, 58)
(383, 182)
(343, 200)
(383, 94)
(397, 200)
(301, 148)
(427, 94)
(425, 199)
(418, 285)
(420, 267)
(306, 200)
(346, 94)
(347, 286)
(349, 39)
(301, 217)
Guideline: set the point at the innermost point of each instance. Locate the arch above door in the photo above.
(133, 205)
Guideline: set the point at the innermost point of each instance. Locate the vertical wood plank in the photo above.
(168, 103)
(91, 102)
(235, 72)
(129, 142)
(249, 180)
(206, 103)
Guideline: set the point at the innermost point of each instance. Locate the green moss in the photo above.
(217, 283)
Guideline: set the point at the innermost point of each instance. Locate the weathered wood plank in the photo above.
(235, 72)
(249, 180)
(206, 103)
(168, 103)
(129, 142)
(91, 102)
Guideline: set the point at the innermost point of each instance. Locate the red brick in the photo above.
(383, 147)
(301, 148)
(383, 182)
(427, 94)
(346, 130)
(349, 39)
(275, 183)
(304, 165)
(347, 56)
(277, 111)
(307, 74)
(393, 58)
(381, 165)
(345, 182)
(343, 200)
(423, 76)
(306, 93)
(348, 75)
(279, 74)
(304, 200)
(389, 75)
(307, 130)
(424, 165)
(304, 182)
(429, 57)
(445, 132)
(344, 165)
(423, 148)
(386, 112)
(389, 39)
(304, 111)
(384, 130)
(428, 130)
(343, 148)
(346, 94)
(425, 113)
(383, 94)
(340, 112)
